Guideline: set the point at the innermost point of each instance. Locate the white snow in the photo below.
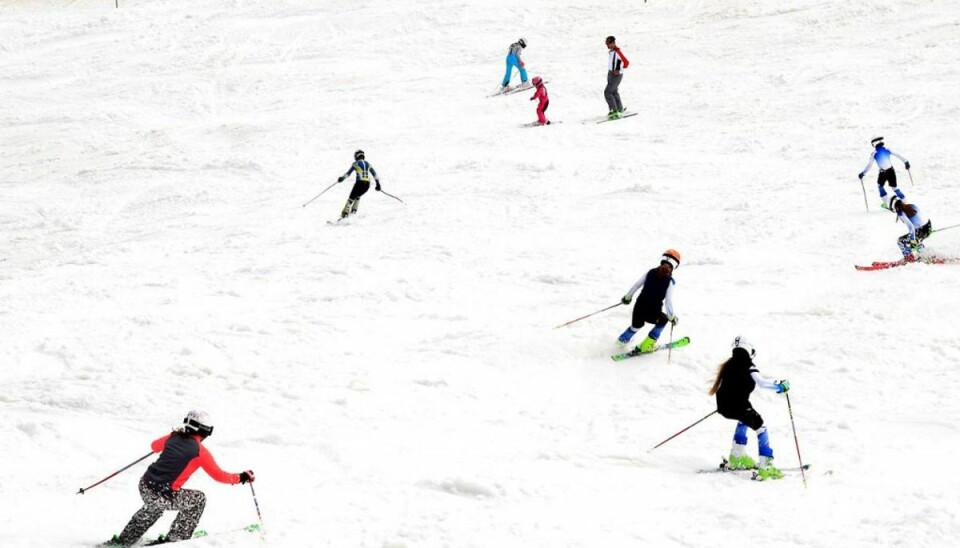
(395, 381)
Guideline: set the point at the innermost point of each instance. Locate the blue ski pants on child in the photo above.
(514, 61)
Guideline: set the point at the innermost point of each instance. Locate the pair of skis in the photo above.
(510, 90)
(754, 475)
(880, 265)
(679, 343)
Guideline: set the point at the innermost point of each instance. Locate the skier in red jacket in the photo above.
(544, 100)
(181, 453)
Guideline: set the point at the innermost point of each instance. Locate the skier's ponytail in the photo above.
(719, 379)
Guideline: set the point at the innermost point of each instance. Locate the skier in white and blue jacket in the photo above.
(881, 155)
(361, 185)
(919, 227)
(513, 60)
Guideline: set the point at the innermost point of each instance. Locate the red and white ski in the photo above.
(879, 265)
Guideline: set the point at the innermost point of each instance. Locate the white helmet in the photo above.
(742, 342)
(197, 422)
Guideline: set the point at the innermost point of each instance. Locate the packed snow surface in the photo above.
(395, 380)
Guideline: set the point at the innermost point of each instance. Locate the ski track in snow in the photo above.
(395, 380)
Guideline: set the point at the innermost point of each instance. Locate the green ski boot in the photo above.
(647, 345)
(742, 462)
(766, 470)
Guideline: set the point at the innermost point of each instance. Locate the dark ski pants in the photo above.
(747, 416)
(887, 176)
(612, 93)
(188, 503)
(353, 202)
(641, 316)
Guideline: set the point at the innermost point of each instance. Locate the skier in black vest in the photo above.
(656, 293)
(181, 453)
(736, 379)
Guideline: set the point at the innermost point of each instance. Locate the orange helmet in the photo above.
(672, 257)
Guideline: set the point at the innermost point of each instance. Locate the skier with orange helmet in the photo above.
(655, 302)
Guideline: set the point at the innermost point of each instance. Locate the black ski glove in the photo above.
(907, 165)
(378, 186)
(247, 476)
(340, 179)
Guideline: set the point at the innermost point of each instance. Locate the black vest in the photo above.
(654, 291)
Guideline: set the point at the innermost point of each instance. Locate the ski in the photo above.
(679, 343)
(621, 117)
(510, 90)
(723, 467)
(161, 540)
(538, 124)
(880, 265)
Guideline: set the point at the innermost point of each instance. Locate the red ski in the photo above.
(877, 265)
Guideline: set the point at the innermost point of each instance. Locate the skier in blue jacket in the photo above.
(881, 155)
(513, 60)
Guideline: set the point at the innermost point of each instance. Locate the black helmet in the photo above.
(522, 42)
(358, 155)
(197, 422)
(877, 142)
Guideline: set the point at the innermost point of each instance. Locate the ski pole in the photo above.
(587, 316)
(944, 228)
(263, 532)
(392, 196)
(321, 194)
(684, 430)
(864, 189)
(670, 348)
(795, 442)
(911, 177)
(85, 489)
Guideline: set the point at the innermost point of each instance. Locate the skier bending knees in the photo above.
(181, 453)
(656, 292)
(736, 379)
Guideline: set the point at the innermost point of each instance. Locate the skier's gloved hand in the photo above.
(782, 386)
(861, 176)
(247, 476)
(626, 299)
(914, 244)
(378, 186)
(340, 179)
(907, 165)
(674, 320)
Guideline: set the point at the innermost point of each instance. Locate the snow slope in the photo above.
(395, 381)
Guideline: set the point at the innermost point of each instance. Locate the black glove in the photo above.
(674, 320)
(340, 179)
(247, 476)
(626, 299)
(907, 165)
(861, 176)
(378, 186)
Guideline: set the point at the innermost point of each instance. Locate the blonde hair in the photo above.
(719, 379)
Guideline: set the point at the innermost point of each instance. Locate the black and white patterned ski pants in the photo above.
(188, 503)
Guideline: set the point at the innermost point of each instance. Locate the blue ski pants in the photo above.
(514, 61)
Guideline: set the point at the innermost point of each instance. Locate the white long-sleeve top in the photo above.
(762, 381)
(913, 223)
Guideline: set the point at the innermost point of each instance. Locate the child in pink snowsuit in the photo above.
(544, 100)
